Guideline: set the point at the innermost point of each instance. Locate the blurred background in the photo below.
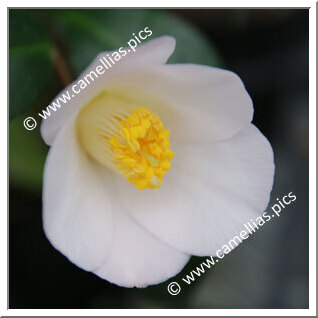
(267, 48)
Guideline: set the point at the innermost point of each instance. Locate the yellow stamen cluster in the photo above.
(140, 149)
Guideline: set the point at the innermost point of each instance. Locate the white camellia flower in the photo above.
(130, 202)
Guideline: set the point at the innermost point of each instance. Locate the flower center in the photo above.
(140, 148)
(131, 140)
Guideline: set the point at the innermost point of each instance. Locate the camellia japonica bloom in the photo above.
(150, 164)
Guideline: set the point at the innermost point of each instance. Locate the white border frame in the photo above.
(312, 165)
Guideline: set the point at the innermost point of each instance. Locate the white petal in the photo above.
(197, 103)
(151, 53)
(208, 194)
(136, 258)
(77, 214)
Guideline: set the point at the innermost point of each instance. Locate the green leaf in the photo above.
(30, 60)
(88, 32)
(27, 154)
